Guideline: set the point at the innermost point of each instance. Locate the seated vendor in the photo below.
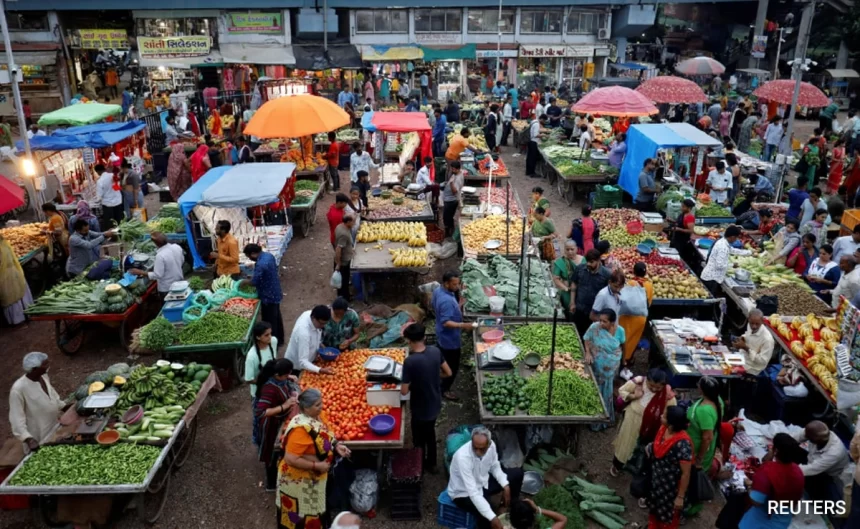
(406, 177)
(763, 185)
(34, 404)
(476, 474)
(341, 331)
(826, 460)
(756, 343)
(83, 246)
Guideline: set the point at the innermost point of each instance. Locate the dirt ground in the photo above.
(221, 484)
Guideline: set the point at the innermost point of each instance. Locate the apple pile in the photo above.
(610, 217)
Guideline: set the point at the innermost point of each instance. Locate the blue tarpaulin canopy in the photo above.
(96, 136)
(643, 142)
(236, 186)
(628, 66)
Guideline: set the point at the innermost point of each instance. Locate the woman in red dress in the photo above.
(837, 160)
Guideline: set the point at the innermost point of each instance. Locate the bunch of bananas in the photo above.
(408, 257)
(418, 241)
(391, 231)
(152, 389)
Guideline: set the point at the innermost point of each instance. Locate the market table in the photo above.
(515, 235)
(567, 182)
(368, 260)
(425, 215)
(230, 355)
(521, 418)
(303, 216)
(551, 294)
(69, 328)
(682, 370)
(148, 497)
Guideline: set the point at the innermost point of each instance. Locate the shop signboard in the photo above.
(578, 51)
(254, 23)
(492, 54)
(173, 47)
(542, 50)
(759, 46)
(94, 39)
(438, 38)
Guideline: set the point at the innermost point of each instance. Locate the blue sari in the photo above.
(606, 350)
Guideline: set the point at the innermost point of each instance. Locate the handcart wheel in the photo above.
(239, 366)
(551, 174)
(313, 214)
(69, 335)
(569, 193)
(151, 503)
(47, 512)
(186, 441)
(304, 224)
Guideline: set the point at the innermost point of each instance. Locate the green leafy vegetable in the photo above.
(196, 283)
(157, 334)
(712, 210)
(557, 498)
(307, 185)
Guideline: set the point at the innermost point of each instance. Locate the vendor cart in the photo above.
(147, 498)
(70, 329)
(303, 216)
(36, 270)
(229, 355)
(567, 183)
(368, 260)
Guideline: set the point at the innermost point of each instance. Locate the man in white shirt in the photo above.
(757, 342)
(110, 194)
(476, 474)
(715, 269)
(507, 116)
(540, 109)
(849, 283)
(532, 153)
(305, 340)
(168, 264)
(827, 459)
(360, 160)
(720, 182)
(846, 245)
(35, 131)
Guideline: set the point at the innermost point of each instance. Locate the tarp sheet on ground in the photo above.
(407, 122)
(79, 114)
(237, 186)
(95, 136)
(643, 142)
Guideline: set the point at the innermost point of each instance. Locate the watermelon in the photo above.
(120, 369)
(95, 376)
(201, 375)
(82, 392)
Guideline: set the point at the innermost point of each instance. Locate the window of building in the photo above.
(177, 27)
(585, 22)
(27, 21)
(438, 20)
(541, 21)
(382, 21)
(487, 20)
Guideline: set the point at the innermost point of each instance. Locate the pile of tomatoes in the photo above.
(345, 392)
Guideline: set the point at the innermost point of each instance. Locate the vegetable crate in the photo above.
(451, 516)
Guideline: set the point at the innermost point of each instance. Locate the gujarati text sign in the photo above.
(173, 47)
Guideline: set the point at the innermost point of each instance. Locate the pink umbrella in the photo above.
(671, 89)
(615, 101)
(782, 91)
(700, 66)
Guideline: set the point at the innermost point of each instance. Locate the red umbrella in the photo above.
(11, 195)
(700, 66)
(782, 91)
(671, 89)
(615, 101)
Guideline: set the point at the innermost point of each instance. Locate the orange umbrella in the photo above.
(296, 116)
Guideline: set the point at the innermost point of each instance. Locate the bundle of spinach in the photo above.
(557, 498)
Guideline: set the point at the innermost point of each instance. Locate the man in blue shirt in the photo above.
(796, 198)
(413, 105)
(515, 99)
(425, 87)
(344, 97)
(499, 91)
(447, 305)
(439, 133)
(268, 285)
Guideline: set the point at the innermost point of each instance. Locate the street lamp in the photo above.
(13, 79)
(28, 167)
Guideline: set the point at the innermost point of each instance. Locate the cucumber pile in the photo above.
(157, 425)
(503, 395)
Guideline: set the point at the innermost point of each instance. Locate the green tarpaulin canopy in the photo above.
(447, 54)
(80, 114)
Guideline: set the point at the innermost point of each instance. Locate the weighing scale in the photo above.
(100, 404)
(488, 361)
(179, 291)
(383, 370)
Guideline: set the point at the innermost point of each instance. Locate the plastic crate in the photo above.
(850, 218)
(451, 516)
(406, 502)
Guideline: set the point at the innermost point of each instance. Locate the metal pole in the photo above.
(499, 47)
(799, 60)
(325, 25)
(778, 52)
(551, 362)
(13, 79)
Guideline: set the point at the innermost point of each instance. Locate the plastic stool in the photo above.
(451, 516)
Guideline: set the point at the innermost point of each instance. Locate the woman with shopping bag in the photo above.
(636, 297)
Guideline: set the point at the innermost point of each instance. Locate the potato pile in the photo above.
(26, 238)
(477, 233)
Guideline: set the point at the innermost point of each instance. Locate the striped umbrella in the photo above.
(671, 89)
(782, 91)
(700, 66)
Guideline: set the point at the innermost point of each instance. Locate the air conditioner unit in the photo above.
(603, 34)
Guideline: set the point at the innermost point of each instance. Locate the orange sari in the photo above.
(634, 326)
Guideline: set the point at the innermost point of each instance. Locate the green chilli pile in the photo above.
(87, 464)
(537, 337)
(572, 395)
(214, 327)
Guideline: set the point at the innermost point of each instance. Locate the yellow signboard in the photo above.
(94, 39)
(173, 47)
(588, 71)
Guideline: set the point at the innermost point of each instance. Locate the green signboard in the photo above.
(254, 23)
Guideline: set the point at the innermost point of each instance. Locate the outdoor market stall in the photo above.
(535, 376)
(394, 125)
(225, 193)
(132, 462)
(79, 114)
(30, 245)
(526, 292)
(392, 206)
(568, 166)
(390, 247)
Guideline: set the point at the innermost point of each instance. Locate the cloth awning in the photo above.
(391, 53)
(214, 58)
(32, 58)
(406, 122)
(234, 186)
(628, 66)
(94, 136)
(843, 74)
(448, 54)
(315, 58)
(644, 140)
(79, 114)
(257, 54)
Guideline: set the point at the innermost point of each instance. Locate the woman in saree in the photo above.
(645, 401)
(544, 229)
(585, 231)
(777, 480)
(671, 454)
(837, 162)
(200, 162)
(562, 275)
(274, 404)
(706, 416)
(636, 297)
(746, 131)
(178, 171)
(603, 342)
(538, 201)
(309, 447)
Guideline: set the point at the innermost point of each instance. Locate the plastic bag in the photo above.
(634, 301)
(797, 391)
(336, 280)
(536, 435)
(508, 444)
(364, 491)
(456, 438)
(188, 317)
(447, 249)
